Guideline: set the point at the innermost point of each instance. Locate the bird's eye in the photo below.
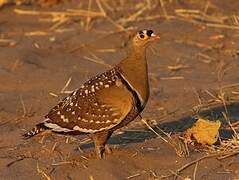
(141, 36)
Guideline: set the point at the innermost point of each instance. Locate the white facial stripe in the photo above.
(145, 31)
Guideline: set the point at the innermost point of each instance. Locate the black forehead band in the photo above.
(149, 33)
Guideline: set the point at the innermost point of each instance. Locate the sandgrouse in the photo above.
(107, 101)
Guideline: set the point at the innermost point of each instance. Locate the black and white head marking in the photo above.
(146, 33)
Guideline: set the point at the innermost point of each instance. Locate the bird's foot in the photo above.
(108, 149)
(100, 152)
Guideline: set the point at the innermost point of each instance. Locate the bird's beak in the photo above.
(155, 37)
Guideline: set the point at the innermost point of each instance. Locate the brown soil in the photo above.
(196, 57)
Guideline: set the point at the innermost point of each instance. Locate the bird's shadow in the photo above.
(179, 126)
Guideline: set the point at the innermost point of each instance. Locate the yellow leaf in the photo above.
(204, 131)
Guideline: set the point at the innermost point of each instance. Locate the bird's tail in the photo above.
(36, 130)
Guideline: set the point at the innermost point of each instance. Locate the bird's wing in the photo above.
(100, 104)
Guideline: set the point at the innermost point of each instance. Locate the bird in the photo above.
(107, 101)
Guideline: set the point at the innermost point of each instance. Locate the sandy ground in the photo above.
(195, 63)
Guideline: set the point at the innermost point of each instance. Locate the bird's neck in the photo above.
(135, 71)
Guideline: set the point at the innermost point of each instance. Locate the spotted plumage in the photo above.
(107, 101)
(87, 109)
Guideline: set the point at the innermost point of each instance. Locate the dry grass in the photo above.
(133, 176)
(142, 12)
(172, 78)
(179, 146)
(96, 59)
(62, 14)
(43, 173)
(226, 147)
(200, 17)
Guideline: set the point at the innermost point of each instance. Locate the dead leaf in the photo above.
(203, 131)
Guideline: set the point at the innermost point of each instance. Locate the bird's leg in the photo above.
(100, 140)
(108, 150)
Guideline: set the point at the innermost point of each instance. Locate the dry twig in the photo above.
(23, 106)
(63, 90)
(172, 78)
(180, 149)
(133, 176)
(78, 12)
(195, 161)
(121, 28)
(40, 171)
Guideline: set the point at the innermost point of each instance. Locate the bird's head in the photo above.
(143, 37)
